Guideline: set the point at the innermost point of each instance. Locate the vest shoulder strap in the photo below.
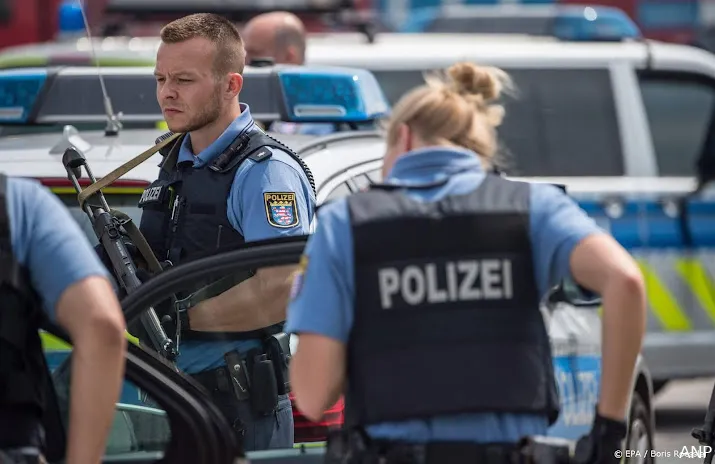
(14, 282)
(11, 273)
(252, 145)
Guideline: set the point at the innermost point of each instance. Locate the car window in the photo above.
(341, 190)
(375, 176)
(679, 112)
(139, 426)
(553, 126)
(361, 182)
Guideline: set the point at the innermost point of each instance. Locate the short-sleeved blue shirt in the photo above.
(247, 213)
(48, 241)
(323, 298)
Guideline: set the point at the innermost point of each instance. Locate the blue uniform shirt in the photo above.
(247, 213)
(323, 302)
(48, 241)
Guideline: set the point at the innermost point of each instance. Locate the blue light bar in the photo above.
(67, 95)
(19, 90)
(565, 22)
(70, 17)
(331, 94)
(585, 23)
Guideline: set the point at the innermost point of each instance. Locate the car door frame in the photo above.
(199, 432)
(249, 256)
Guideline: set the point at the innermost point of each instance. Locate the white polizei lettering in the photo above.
(507, 279)
(466, 288)
(452, 281)
(150, 194)
(389, 279)
(491, 278)
(434, 293)
(412, 295)
(466, 280)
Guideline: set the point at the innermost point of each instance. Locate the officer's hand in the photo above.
(604, 444)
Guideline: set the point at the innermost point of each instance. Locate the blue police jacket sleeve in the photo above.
(323, 293)
(558, 224)
(270, 199)
(48, 241)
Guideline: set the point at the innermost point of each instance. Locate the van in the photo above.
(627, 126)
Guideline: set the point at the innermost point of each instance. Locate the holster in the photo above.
(262, 375)
(277, 347)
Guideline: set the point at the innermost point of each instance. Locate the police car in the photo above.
(186, 426)
(622, 123)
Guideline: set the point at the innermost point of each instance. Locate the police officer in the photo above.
(280, 36)
(224, 182)
(49, 274)
(419, 299)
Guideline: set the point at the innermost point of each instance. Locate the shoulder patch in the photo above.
(281, 209)
(261, 154)
(298, 277)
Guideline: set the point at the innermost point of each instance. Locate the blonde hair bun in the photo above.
(470, 79)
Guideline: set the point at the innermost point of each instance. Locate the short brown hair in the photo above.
(230, 54)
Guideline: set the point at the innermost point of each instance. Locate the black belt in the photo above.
(215, 380)
(449, 452)
(396, 452)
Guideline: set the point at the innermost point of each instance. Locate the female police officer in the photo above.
(419, 299)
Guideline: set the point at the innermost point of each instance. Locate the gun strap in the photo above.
(209, 291)
(121, 170)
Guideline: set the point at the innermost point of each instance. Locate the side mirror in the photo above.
(569, 292)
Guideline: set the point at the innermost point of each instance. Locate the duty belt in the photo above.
(345, 449)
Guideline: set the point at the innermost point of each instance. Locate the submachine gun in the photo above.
(112, 228)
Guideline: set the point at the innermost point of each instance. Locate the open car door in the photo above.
(164, 415)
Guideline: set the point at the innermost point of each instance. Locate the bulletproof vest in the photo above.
(447, 317)
(23, 373)
(184, 211)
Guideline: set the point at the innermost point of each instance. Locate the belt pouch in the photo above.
(278, 354)
(264, 390)
(239, 376)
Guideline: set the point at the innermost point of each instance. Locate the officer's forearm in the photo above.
(623, 329)
(94, 321)
(253, 304)
(317, 374)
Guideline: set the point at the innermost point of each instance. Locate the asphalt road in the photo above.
(680, 406)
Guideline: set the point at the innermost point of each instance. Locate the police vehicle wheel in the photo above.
(640, 435)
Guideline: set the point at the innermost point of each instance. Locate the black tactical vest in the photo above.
(447, 317)
(23, 373)
(184, 211)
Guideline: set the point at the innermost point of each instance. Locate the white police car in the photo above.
(187, 428)
(623, 122)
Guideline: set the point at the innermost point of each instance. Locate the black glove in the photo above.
(604, 444)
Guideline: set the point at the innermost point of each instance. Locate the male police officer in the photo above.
(49, 273)
(281, 36)
(221, 184)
